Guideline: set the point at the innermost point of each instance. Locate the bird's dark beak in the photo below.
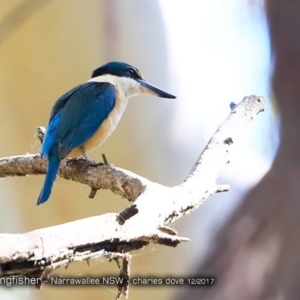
(148, 88)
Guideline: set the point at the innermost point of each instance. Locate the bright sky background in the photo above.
(219, 53)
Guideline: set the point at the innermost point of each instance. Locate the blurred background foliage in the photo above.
(208, 54)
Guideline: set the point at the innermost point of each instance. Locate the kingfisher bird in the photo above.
(84, 117)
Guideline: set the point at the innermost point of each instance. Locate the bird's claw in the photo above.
(95, 164)
(71, 160)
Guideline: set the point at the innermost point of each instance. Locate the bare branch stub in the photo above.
(127, 214)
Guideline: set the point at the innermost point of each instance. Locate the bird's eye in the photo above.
(132, 72)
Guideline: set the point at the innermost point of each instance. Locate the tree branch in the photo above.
(39, 252)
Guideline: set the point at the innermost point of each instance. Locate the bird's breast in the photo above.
(109, 124)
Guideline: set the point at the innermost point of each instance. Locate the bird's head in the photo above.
(127, 78)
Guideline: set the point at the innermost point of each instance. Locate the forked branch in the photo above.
(39, 252)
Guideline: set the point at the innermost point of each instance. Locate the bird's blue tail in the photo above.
(53, 165)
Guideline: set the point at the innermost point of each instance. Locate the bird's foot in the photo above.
(71, 160)
(95, 164)
(90, 162)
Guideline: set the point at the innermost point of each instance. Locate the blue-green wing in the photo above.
(77, 115)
